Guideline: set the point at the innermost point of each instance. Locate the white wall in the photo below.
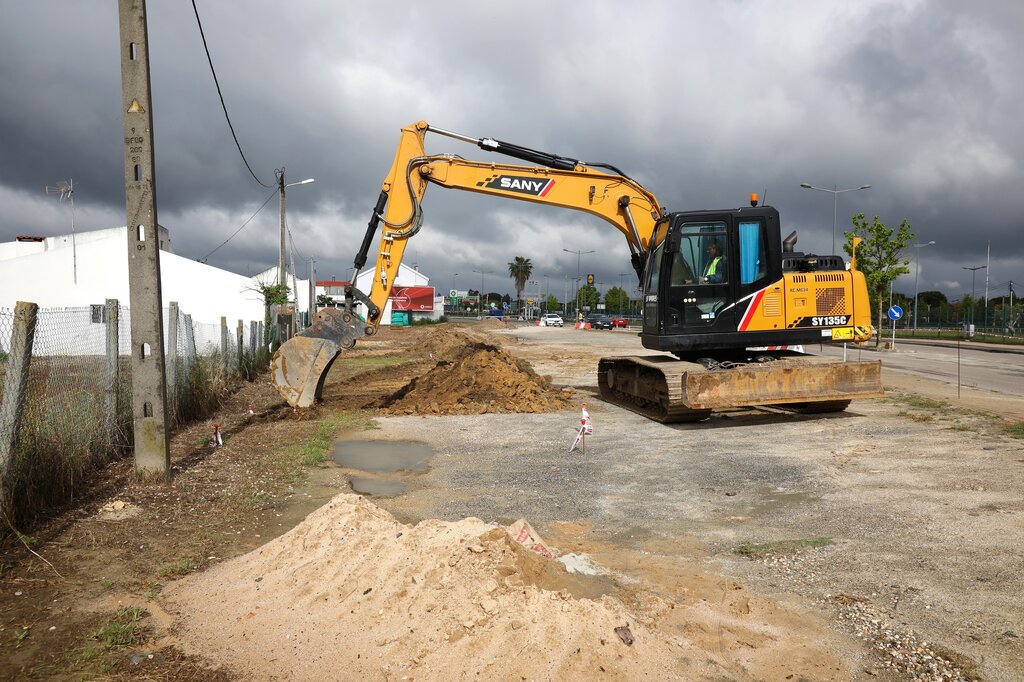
(45, 278)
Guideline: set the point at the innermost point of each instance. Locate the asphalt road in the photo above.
(991, 369)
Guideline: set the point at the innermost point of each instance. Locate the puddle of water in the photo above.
(776, 502)
(378, 487)
(382, 455)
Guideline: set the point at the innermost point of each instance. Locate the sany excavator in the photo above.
(722, 291)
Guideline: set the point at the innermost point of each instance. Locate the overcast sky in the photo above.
(701, 102)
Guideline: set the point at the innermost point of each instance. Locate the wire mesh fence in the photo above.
(75, 411)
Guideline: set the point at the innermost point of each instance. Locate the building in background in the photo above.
(412, 298)
(41, 270)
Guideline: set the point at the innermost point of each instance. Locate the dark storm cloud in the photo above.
(701, 102)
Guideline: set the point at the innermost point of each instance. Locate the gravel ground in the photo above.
(921, 505)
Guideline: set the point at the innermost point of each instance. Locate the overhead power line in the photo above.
(222, 105)
(265, 202)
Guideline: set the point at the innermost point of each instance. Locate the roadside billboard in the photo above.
(420, 299)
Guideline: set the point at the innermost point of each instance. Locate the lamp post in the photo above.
(835, 192)
(480, 307)
(281, 277)
(621, 275)
(974, 272)
(917, 273)
(578, 254)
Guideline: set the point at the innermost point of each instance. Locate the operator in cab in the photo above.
(714, 271)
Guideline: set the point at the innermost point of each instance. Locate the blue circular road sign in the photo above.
(895, 312)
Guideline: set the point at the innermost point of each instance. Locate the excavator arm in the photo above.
(301, 364)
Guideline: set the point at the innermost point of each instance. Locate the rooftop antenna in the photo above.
(66, 190)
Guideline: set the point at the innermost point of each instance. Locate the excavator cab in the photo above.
(701, 269)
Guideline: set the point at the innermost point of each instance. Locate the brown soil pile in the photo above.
(351, 593)
(474, 377)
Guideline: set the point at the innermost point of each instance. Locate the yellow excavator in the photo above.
(723, 293)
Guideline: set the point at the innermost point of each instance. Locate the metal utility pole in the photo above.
(149, 388)
(917, 272)
(835, 192)
(578, 254)
(974, 272)
(66, 190)
(988, 262)
(282, 277)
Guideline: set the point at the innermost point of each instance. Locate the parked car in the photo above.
(619, 322)
(599, 322)
(551, 320)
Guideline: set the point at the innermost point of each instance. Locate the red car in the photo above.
(619, 322)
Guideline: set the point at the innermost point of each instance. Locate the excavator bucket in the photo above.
(301, 364)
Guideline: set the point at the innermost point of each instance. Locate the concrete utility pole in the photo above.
(149, 388)
(312, 289)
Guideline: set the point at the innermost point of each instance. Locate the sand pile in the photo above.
(474, 377)
(351, 593)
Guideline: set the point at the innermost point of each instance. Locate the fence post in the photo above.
(172, 352)
(112, 389)
(224, 345)
(253, 341)
(190, 338)
(240, 339)
(15, 384)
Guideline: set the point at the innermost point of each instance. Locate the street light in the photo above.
(974, 272)
(480, 306)
(578, 254)
(281, 277)
(917, 273)
(835, 195)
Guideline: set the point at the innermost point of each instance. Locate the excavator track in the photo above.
(668, 390)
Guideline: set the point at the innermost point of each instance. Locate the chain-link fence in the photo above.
(72, 409)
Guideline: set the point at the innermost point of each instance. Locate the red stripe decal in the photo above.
(750, 310)
(551, 183)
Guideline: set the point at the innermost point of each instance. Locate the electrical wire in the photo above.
(265, 202)
(222, 105)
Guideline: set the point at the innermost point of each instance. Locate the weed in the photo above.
(314, 450)
(920, 402)
(124, 629)
(961, 427)
(107, 584)
(1016, 430)
(179, 567)
(154, 588)
(781, 547)
(20, 635)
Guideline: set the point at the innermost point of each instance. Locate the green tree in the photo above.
(616, 300)
(323, 300)
(551, 303)
(589, 296)
(272, 294)
(879, 256)
(520, 270)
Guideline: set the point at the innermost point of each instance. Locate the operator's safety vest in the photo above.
(712, 267)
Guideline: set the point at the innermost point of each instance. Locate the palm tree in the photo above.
(520, 270)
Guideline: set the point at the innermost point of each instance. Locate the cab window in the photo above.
(753, 261)
(701, 255)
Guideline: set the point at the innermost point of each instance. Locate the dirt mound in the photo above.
(493, 323)
(476, 378)
(351, 593)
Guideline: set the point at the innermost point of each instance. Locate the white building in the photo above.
(87, 269)
(406, 277)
